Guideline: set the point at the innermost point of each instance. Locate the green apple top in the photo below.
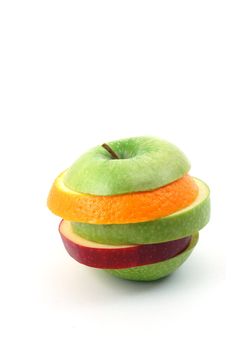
(136, 164)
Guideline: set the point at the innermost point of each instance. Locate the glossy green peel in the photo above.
(175, 226)
(156, 271)
(145, 163)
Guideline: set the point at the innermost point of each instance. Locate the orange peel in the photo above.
(121, 209)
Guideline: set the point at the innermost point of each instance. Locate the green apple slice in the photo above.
(144, 163)
(175, 226)
(158, 270)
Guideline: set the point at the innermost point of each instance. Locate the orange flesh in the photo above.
(121, 209)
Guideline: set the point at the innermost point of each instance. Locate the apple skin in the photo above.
(158, 270)
(117, 257)
(145, 163)
(175, 226)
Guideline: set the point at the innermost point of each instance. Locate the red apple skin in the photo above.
(131, 256)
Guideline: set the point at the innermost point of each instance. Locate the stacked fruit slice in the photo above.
(131, 208)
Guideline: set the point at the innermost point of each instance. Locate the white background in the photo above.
(74, 74)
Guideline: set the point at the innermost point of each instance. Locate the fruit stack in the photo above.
(130, 207)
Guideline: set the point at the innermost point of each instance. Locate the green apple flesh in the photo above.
(156, 271)
(145, 163)
(175, 226)
(114, 257)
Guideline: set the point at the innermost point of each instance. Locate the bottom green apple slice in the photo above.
(153, 272)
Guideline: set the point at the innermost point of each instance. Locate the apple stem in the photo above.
(108, 148)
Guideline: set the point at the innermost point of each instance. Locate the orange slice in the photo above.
(121, 209)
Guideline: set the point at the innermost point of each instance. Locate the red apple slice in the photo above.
(116, 257)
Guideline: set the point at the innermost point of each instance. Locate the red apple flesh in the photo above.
(116, 257)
